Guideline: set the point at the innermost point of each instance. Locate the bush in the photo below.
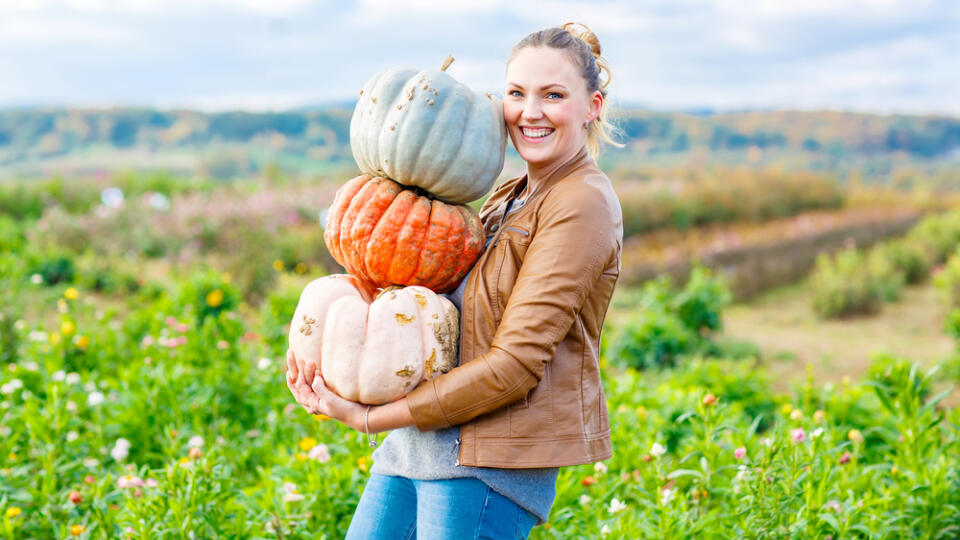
(670, 323)
(907, 257)
(841, 286)
(947, 281)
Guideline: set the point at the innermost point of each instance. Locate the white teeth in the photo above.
(536, 133)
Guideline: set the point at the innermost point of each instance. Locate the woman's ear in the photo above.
(596, 105)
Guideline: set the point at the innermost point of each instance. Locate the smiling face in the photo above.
(546, 104)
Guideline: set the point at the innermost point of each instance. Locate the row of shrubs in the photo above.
(697, 198)
(858, 281)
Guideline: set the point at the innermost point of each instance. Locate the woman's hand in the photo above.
(310, 390)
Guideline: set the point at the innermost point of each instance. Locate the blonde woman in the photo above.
(475, 453)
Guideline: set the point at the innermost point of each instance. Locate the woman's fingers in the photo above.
(292, 370)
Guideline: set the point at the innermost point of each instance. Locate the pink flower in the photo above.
(182, 327)
(146, 341)
(320, 453)
(797, 435)
(170, 320)
(740, 453)
(129, 481)
(222, 344)
(845, 458)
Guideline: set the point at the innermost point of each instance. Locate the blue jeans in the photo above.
(394, 507)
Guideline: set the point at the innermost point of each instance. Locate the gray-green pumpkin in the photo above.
(425, 129)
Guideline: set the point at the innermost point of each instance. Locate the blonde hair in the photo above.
(584, 50)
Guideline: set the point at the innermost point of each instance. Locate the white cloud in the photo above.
(46, 31)
(155, 7)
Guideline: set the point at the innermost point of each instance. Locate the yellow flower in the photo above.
(819, 416)
(642, 412)
(845, 380)
(709, 400)
(13, 512)
(12, 456)
(226, 277)
(894, 470)
(55, 338)
(301, 268)
(77, 530)
(786, 408)
(215, 298)
(68, 328)
(61, 305)
(796, 414)
(301, 456)
(307, 443)
(362, 463)
(855, 436)
(320, 417)
(71, 293)
(82, 342)
(278, 265)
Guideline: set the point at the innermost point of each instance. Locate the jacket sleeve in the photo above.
(574, 239)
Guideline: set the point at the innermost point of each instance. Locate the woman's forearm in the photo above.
(389, 416)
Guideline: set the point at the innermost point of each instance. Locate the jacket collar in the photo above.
(562, 170)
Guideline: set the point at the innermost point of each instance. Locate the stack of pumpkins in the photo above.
(427, 145)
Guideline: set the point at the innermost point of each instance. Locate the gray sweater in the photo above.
(433, 456)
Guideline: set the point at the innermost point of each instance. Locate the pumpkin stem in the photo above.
(446, 63)
(385, 290)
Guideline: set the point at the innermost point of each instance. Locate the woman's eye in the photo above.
(554, 95)
(514, 93)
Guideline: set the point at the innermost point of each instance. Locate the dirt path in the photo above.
(790, 336)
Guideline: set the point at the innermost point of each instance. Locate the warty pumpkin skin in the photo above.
(374, 349)
(388, 235)
(425, 129)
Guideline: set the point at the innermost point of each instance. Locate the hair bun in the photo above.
(583, 32)
(586, 35)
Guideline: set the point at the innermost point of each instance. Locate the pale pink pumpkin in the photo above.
(374, 349)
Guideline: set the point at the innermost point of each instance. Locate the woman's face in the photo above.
(545, 105)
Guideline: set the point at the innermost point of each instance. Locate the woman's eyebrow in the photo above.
(545, 87)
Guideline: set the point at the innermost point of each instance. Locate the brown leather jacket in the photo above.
(527, 392)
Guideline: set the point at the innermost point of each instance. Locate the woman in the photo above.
(476, 451)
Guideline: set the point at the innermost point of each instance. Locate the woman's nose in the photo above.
(532, 109)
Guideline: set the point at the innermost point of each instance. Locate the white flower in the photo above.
(815, 434)
(657, 450)
(90, 462)
(26, 395)
(616, 506)
(119, 453)
(38, 335)
(94, 398)
(71, 406)
(31, 366)
(584, 499)
(195, 442)
(605, 530)
(768, 442)
(289, 487)
(11, 386)
(292, 497)
(666, 495)
(122, 443)
(320, 452)
(4, 404)
(72, 378)
(599, 467)
(72, 436)
(36, 279)
(59, 376)
(264, 364)
(5, 431)
(89, 387)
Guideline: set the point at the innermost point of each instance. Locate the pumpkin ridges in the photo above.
(432, 257)
(410, 240)
(382, 194)
(377, 258)
(472, 247)
(341, 201)
(350, 212)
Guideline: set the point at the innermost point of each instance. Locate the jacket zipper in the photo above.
(454, 451)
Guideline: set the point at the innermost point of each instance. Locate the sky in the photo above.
(883, 56)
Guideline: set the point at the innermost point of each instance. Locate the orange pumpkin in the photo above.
(388, 235)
